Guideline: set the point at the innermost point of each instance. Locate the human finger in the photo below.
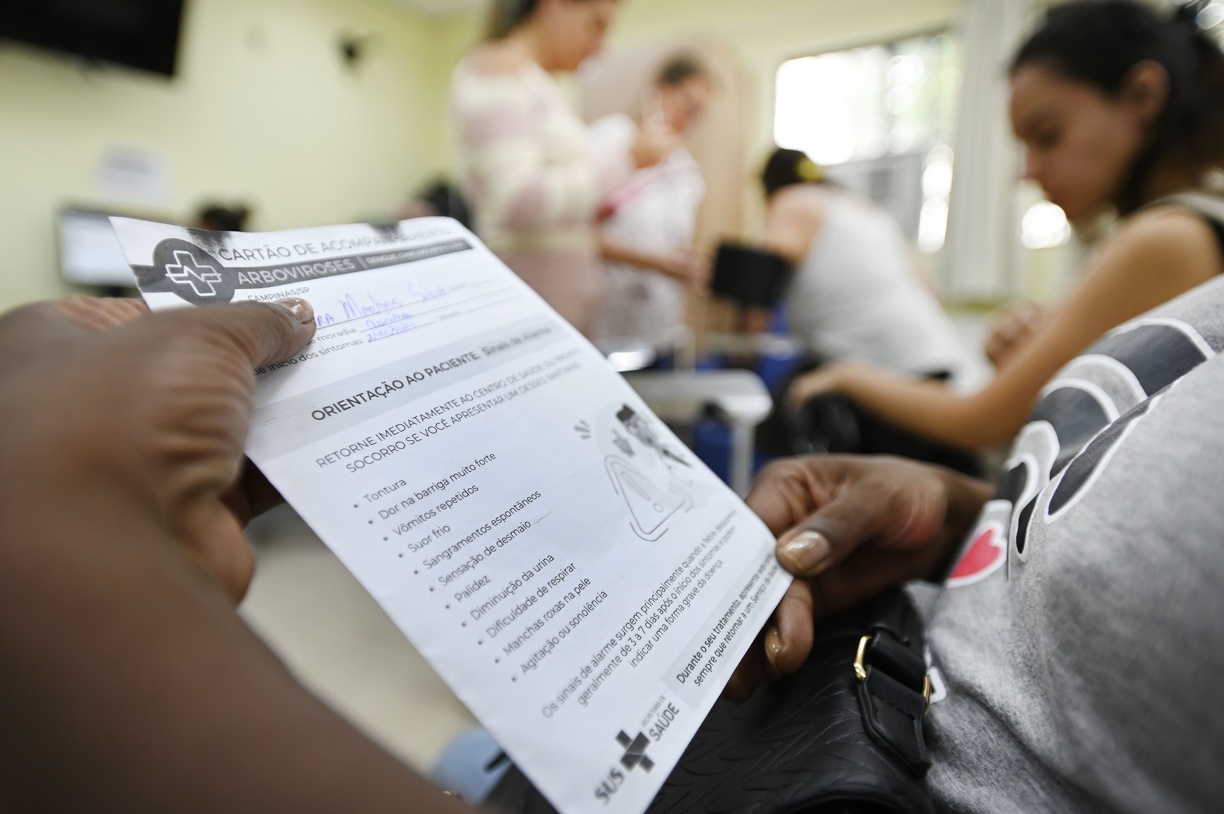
(788, 638)
(101, 313)
(251, 495)
(259, 333)
(897, 506)
(211, 536)
(781, 648)
(748, 674)
(47, 328)
(788, 490)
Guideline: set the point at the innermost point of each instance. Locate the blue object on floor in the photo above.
(712, 444)
(775, 366)
(471, 766)
(777, 319)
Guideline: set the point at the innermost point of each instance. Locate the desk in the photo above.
(752, 344)
(680, 397)
(625, 355)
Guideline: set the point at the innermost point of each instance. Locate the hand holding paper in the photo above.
(569, 568)
(131, 684)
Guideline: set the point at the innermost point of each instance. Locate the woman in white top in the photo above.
(533, 175)
(856, 293)
(646, 225)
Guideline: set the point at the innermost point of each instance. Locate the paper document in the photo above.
(580, 580)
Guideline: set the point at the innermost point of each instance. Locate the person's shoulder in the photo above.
(497, 59)
(799, 201)
(793, 218)
(494, 76)
(1170, 227)
(1157, 253)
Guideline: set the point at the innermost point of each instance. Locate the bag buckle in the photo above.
(860, 669)
(888, 671)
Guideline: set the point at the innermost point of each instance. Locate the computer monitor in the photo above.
(141, 34)
(89, 252)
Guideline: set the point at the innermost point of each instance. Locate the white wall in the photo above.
(263, 110)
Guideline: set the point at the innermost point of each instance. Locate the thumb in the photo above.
(260, 333)
(832, 533)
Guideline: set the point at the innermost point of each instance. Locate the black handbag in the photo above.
(843, 735)
(833, 423)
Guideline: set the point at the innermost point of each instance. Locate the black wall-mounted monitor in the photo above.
(141, 34)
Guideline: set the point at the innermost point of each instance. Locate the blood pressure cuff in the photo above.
(750, 276)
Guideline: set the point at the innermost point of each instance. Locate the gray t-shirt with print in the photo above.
(1078, 649)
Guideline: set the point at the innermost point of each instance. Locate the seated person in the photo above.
(134, 686)
(1119, 107)
(1068, 593)
(856, 293)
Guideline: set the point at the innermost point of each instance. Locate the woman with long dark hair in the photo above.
(1118, 106)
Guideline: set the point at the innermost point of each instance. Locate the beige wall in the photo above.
(766, 32)
(263, 110)
(761, 33)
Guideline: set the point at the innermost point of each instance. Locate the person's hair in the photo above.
(680, 69)
(1099, 42)
(447, 200)
(788, 167)
(507, 15)
(223, 218)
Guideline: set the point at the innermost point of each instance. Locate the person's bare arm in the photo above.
(616, 253)
(792, 220)
(1153, 258)
(129, 682)
(1015, 326)
(688, 267)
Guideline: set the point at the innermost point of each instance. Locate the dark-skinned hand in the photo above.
(848, 528)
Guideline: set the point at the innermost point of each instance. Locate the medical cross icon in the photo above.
(186, 271)
(635, 752)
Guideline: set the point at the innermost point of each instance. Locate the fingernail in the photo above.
(773, 645)
(301, 310)
(805, 553)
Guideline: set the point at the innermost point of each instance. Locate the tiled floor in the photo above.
(339, 643)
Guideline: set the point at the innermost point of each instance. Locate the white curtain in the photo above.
(981, 254)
